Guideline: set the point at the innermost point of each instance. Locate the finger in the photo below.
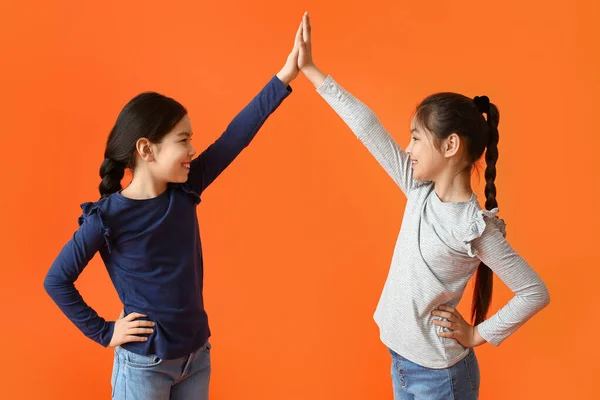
(293, 57)
(306, 30)
(445, 324)
(131, 338)
(134, 315)
(298, 38)
(447, 308)
(444, 314)
(450, 310)
(294, 50)
(122, 313)
(140, 331)
(302, 46)
(140, 324)
(302, 49)
(449, 335)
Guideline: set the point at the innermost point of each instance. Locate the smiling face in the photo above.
(426, 158)
(172, 156)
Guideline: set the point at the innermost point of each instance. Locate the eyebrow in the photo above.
(188, 134)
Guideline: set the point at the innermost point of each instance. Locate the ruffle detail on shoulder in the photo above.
(89, 211)
(478, 225)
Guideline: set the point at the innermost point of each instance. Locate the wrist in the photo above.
(476, 338)
(313, 74)
(285, 77)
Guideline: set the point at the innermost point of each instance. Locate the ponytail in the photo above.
(484, 280)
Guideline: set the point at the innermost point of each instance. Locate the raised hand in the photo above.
(305, 58)
(290, 70)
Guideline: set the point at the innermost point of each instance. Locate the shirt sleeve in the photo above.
(531, 294)
(368, 129)
(60, 280)
(208, 166)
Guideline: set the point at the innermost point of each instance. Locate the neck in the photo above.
(144, 186)
(454, 186)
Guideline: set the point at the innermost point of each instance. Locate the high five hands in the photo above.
(301, 58)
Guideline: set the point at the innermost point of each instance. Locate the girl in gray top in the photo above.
(445, 238)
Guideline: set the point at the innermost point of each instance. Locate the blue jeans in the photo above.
(413, 382)
(140, 377)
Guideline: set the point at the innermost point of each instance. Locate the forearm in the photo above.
(314, 75)
(70, 302)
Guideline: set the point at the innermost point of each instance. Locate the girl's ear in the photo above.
(451, 145)
(144, 149)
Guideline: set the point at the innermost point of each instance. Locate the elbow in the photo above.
(49, 284)
(52, 284)
(543, 298)
(547, 298)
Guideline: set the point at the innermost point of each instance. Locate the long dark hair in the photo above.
(446, 113)
(149, 115)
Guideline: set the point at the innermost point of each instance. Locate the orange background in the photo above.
(298, 234)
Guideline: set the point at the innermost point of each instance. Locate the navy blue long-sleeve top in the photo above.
(151, 248)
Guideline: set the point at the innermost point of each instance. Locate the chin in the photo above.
(180, 179)
(421, 177)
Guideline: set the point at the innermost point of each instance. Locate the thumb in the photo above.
(302, 46)
(294, 53)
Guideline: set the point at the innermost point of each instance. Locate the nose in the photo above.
(409, 148)
(192, 151)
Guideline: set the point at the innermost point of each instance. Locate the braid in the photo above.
(484, 280)
(112, 173)
(491, 157)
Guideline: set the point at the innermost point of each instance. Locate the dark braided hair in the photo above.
(446, 113)
(149, 115)
(112, 173)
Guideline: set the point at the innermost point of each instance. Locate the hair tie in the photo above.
(482, 103)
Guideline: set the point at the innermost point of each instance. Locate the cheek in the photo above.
(436, 160)
(427, 157)
(416, 150)
(411, 146)
(173, 156)
(179, 153)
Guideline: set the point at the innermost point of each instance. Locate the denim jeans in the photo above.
(143, 377)
(414, 382)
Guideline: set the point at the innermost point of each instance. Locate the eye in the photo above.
(414, 138)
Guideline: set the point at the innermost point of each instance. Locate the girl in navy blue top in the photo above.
(148, 237)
